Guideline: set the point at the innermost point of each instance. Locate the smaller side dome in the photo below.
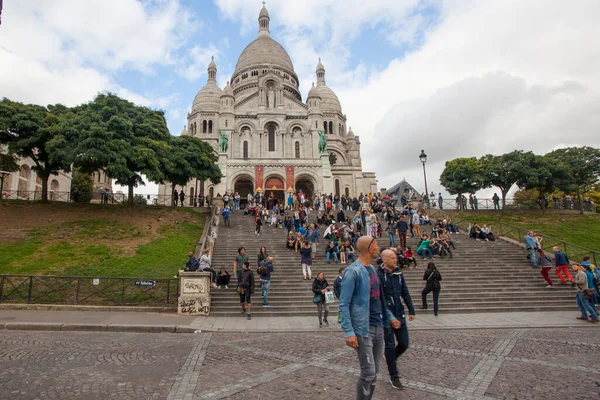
(313, 92)
(184, 131)
(263, 12)
(350, 133)
(228, 91)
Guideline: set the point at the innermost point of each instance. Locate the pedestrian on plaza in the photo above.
(441, 201)
(175, 197)
(319, 287)
(306, 259)
(182, 197)
(364, 314)
(561, 261)
(258, 222)
(396, 291)
(581, 285)
(416, 221)
(239, 261)
(337, 290)
(432, 278)
(401, 229)
(544, 262)
(496, 201)
(265, 268)
(245, 289)
(312, 236)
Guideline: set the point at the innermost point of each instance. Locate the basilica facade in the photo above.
(269, 139)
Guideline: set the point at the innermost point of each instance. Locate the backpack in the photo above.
(263, 270)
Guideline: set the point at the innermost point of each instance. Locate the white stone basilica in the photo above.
(267, 138)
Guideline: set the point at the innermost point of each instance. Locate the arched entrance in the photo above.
(274, 185)
(54, 189)
(306, 185)
(23, 187)
(244, 186)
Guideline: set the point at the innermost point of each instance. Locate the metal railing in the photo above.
(573, 251)
(96, 291)
(566, 203)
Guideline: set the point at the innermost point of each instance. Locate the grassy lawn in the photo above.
(94, 240)
(581, 230)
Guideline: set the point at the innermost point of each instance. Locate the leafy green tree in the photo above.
(8, 163)
(82, 187)
(541, 174)
(188, 158)
(582, 166)
(122, 139)
(37, 132)
(504, 171)
(462, 175)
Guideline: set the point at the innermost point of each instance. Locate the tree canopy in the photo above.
(36, 132)
(462, 175)
(504, 171)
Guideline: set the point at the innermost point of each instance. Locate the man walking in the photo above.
(496, 201)
(226, 211)
(401, 229)
(265, 267)
(395, 290)
(531, 246)
(561, 261)
(364, 314)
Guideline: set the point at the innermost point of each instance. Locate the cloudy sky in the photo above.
(456, 78)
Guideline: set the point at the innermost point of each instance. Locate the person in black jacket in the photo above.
(246, 288)
(319, 287)
(432, 277)
(401, 229)
(395, 290)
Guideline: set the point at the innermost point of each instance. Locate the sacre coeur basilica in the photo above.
(268, 139)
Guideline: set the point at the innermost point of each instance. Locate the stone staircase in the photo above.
(482, 276)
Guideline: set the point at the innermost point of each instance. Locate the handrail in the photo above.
(573, 251)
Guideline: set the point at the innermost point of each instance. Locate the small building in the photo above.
(403, 188)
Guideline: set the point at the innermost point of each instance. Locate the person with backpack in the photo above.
(593, 277)
(245, 289)
(432, 278)
(544, 262)
(226, 212)
(265, 267)
(584, 303)
(319, 287)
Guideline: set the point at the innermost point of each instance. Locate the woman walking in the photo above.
(432, 278)
(320, 286)
(545, 264)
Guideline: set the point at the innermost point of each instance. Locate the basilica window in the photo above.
(347, 190)
(226, 121)
(331, 127)
(297, 149)
(245, 150)
(337, 187)
(325, 126)
(316, 124)
(271, 130)
(204, 126)
(210, 126)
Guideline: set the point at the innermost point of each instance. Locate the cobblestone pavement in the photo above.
(457, 364)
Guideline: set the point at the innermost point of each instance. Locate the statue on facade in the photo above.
(223, 142)
(271, 98)
(322, 142)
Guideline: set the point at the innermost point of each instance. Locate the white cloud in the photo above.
(487, 77)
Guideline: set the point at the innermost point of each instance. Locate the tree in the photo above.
(504, 171)
(541, 174)
(582, 166)
(189, 158)
(82, 187)
(122, 139)
(36, 132)
(462, 175)
(8, 163)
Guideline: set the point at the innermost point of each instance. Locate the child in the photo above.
(337, 290)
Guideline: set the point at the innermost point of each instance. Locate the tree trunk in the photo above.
(503, 198)
(580, 198)
(172, 189)
(44, 187)
(130, 194)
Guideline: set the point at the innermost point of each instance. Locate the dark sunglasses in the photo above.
(369, 248)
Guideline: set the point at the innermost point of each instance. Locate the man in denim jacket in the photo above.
(364, 314)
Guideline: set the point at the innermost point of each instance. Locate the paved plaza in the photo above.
(455, 364)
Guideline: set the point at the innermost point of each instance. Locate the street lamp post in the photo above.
(423, 158)
(3, 174)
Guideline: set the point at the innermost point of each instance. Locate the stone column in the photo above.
(221, 188)
(194, 298)
(327, 176)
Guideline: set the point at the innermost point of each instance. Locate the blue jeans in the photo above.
(265, 290)
(393, 351)
(532, 257)
(425, 252)
(585, 306)
(328, 255)
(350, 255)
(392, 236)
(370, 351)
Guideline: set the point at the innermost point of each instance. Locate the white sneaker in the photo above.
(226, 287)
(549, 287)
(218, 287)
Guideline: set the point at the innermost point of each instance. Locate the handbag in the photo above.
(317, 298)
(589, 294)
(329, 297)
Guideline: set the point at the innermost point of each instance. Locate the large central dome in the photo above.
(264, 51)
